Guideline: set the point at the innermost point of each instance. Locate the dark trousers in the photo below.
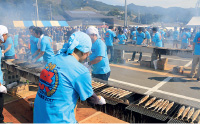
(110, 50)
(102, 76)
(9, 57)
(133, 56)
(1, 107)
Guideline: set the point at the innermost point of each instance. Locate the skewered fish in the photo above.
(150, 101)
(162, 105)
(169, 107)
(165, 106)
(124, 94)
(155, 104)
(190, 113)
(159, 105)
(194, 117)
(180, 112)
(143, 100)
(185, 112)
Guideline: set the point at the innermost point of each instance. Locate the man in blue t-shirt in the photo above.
(9, 51)
(185, 38)
(109, 39)
(196, 56)
(147, 36)
(175, 37)
(99, 57)
(122, 38)
(140, 40)
(133, 35)
(33, 43)
(44, 46)
(157, 38)
(63, 81)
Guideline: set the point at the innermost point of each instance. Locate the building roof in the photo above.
(195, 21)
(85, 14)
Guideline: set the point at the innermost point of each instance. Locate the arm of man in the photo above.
(40, 55)
(36, 53)
(96, 60)
(8, 48)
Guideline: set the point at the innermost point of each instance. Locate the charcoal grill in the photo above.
(173, 120)
(149, 112)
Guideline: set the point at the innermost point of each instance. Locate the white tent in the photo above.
(195, 21)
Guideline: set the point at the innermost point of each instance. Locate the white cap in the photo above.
(92, 30)
(3, 30)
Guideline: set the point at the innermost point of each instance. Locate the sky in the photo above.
(161, 3)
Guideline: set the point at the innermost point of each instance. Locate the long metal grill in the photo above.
(151, 112)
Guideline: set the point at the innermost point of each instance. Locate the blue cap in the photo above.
(80, 41)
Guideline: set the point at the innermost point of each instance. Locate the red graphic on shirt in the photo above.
(107, 34)
(46, 76)
(160, 37)
(198, 40)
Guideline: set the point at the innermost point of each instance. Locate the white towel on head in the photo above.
(3, 30)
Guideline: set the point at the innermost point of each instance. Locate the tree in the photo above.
(114, 12)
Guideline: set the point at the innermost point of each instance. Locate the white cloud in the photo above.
(161, 3)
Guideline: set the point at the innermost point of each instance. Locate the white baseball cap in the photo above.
(3, 30)
(92, 30)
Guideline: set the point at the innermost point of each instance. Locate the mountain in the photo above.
(25, 10)
(172, 14)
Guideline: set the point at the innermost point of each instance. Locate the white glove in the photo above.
(3, 89)
(102, 101)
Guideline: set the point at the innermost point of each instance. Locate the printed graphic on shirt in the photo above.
(198, 40)
(107, 34)
(160, 37)
(48, 82)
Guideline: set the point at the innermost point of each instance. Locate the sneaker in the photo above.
(132, 60)
(138, 61)
(197, 79)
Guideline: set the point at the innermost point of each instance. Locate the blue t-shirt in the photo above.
(1, 73)
(46, 47)
(16, 38)
(109, 37)
(185, 36)
(197, 44)
(163, 34)
(175, 35)
(33, 42)
(61, 83)
(11, 51)
(121, 38)
(134, 35)
(157, 39)
(99, 49)
(147, 34)
(140, 38)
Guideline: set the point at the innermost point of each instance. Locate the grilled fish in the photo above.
(190, 113)
(169, 107)
(194, 117)
(155, 104)
(180, 112)
(159, 105)
(164, 107)
(125, 94)
(143, 100)
(150, 101)
(122, 92)
(185, 112)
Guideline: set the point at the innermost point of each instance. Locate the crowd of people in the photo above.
(64, 71)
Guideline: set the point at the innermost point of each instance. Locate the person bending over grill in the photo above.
(43, 45)
(3, 39)
(98, 58)
(33, 43)
(157, 38)
(63, 81)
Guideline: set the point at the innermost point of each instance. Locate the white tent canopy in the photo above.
(195, 21)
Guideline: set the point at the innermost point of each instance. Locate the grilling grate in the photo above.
(149, 112)
(173, 120)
